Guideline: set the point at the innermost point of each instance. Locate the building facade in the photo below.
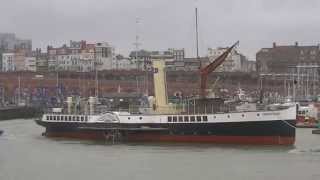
(278, 59)
(8, 62)
(9, 41)
(80, 56)
(232, 62)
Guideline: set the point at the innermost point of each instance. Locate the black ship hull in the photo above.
(280, 132)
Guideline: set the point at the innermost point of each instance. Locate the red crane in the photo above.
(211, 67)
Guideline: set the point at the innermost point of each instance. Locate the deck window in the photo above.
(86, 119)
(58, 118)
(192, 118)
(54, 117)
(66, 118)
(174, 119)
(186, 118)
(73, 118)
(47, 117)
(69, 118)
(180, 119)
(82, 118)
(78, 118)
(205, 118)
(169, 119)
(198, 118)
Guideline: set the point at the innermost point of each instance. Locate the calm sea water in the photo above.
(26, 155)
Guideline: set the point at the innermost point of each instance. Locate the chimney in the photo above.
(274, 45)
(296, 44)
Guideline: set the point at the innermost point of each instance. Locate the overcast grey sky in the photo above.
(164, 23)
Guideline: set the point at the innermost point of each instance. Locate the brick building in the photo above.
(278, 59)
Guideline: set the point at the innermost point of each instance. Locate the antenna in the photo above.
(137, 44)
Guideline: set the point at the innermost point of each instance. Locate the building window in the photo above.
(186, 118)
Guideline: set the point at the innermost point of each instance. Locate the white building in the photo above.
(232, 62)
(81, 57)
(104, 55)
(31, 64)
(8, 62)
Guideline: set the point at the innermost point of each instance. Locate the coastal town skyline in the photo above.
(164, 24)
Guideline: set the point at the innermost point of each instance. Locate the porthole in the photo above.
(140, 118)
(242, 115)
(258, 114)
(214, 116)
(128, 118)
(228, 116)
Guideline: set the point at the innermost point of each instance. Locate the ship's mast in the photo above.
(197, 34)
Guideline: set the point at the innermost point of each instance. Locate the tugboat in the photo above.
(197, 120)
